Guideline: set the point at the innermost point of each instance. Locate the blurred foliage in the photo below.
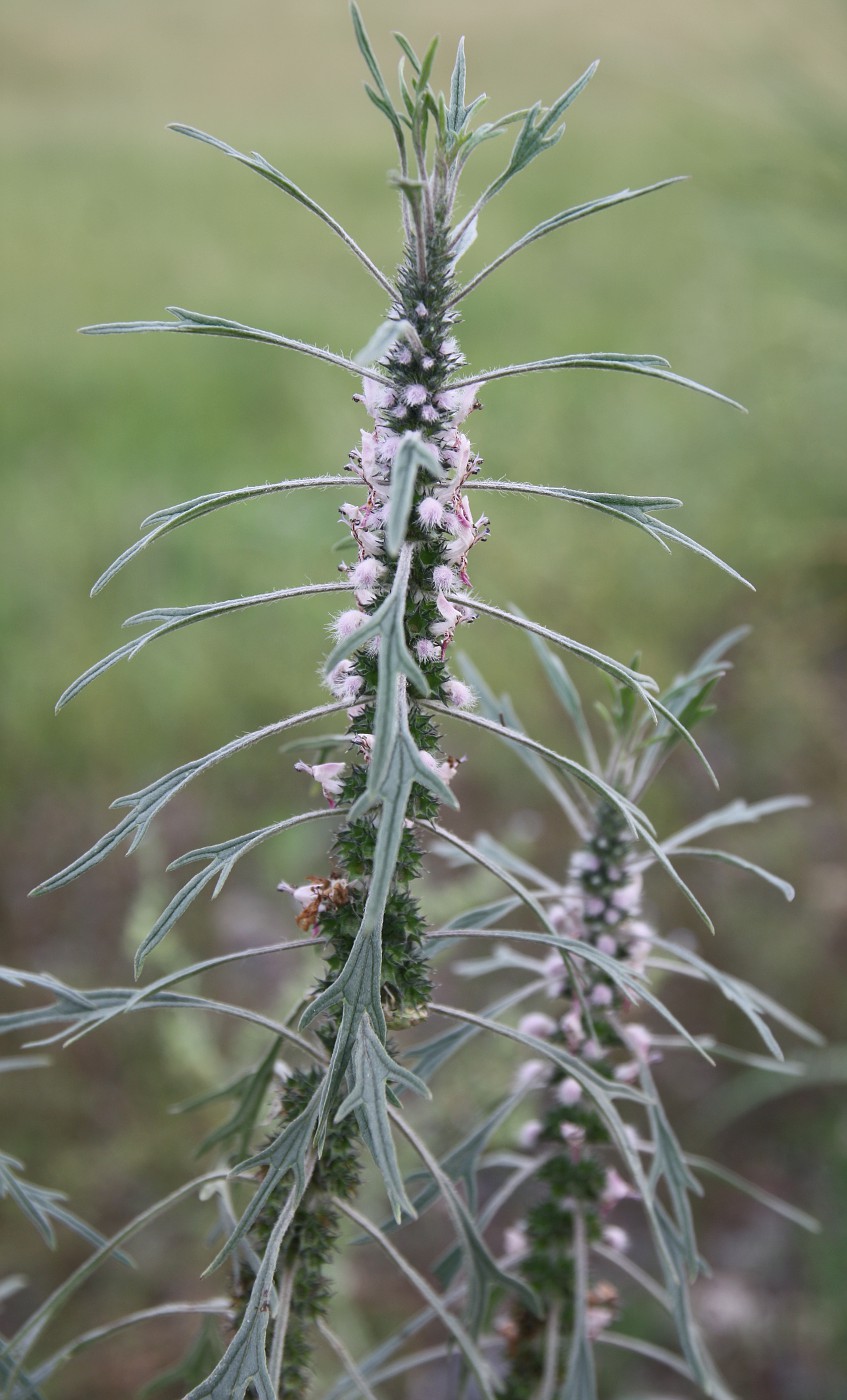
(736, 276)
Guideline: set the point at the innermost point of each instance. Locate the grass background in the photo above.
(736, 276)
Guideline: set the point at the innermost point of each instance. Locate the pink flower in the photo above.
(529, 1134)
(431, 513)
(458, 402)
(304, 894)
(415, 395)
(615, 1189)
(365, 573)
(628, 897)
(602, 995)
(449, 614)
(375, 396)
(446, 771)
(584, 860)
(537, 1024)
(328, 775)
(343, 682)
(616, 1239)
(427, 651)
(346, 623)
(571, 1027)
(569, 1092)
(531, 1075)
(597, 1319)
(515, 1243)
(639, 1040)
(443, 579)
(608, 944)
(460, 695)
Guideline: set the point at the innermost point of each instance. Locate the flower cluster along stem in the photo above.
(441, 531)
(600, 905)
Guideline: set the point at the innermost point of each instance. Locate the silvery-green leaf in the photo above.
(568, 216)
(161, 522)
(221, 859)
(413, 455)
(500, 710)
(288, 1153)
(641, 684)
(262, 167)
(370, 1071)
(633, 817)
(484, 1275)
(765, 1198)
(244, 1363)
(381, 97)
(172, 619)
(41, 1206)
(728, 858)
(214, 1307)
(736, 813)
(648, 1350)
(146, 804)
(537, 134)
(386, 334)
(198, 323)
(654, 366)
(27, 1335)
(466, 1344)
(573, 950)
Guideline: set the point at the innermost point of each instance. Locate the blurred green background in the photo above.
(737, 276)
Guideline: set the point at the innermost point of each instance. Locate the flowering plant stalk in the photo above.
(522, 1323)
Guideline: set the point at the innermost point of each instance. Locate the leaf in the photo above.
(573, 950)
(745, 998)
(483, 1273)
(244, 1362)
(637, 1347)
(634, 510)
(765, 1198)
(198, 323)
(500, 710)
(537, 134)
(413, 455)
(736, 813)
(475, 1360)
(631, 814)
(371, 1069)
(383, 100)
(288, 1153)
(147, 803)
(676, 877)
(172, 619)
(161, 522)
(27, 1335)
(213, 1307)
(42, 1206)
(568, 216)
(433, 1053)
(641, 684)
(221, 860)
(386, 335)
(249, 1091)
(262, 167)
(651, 365)
(728, 858)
